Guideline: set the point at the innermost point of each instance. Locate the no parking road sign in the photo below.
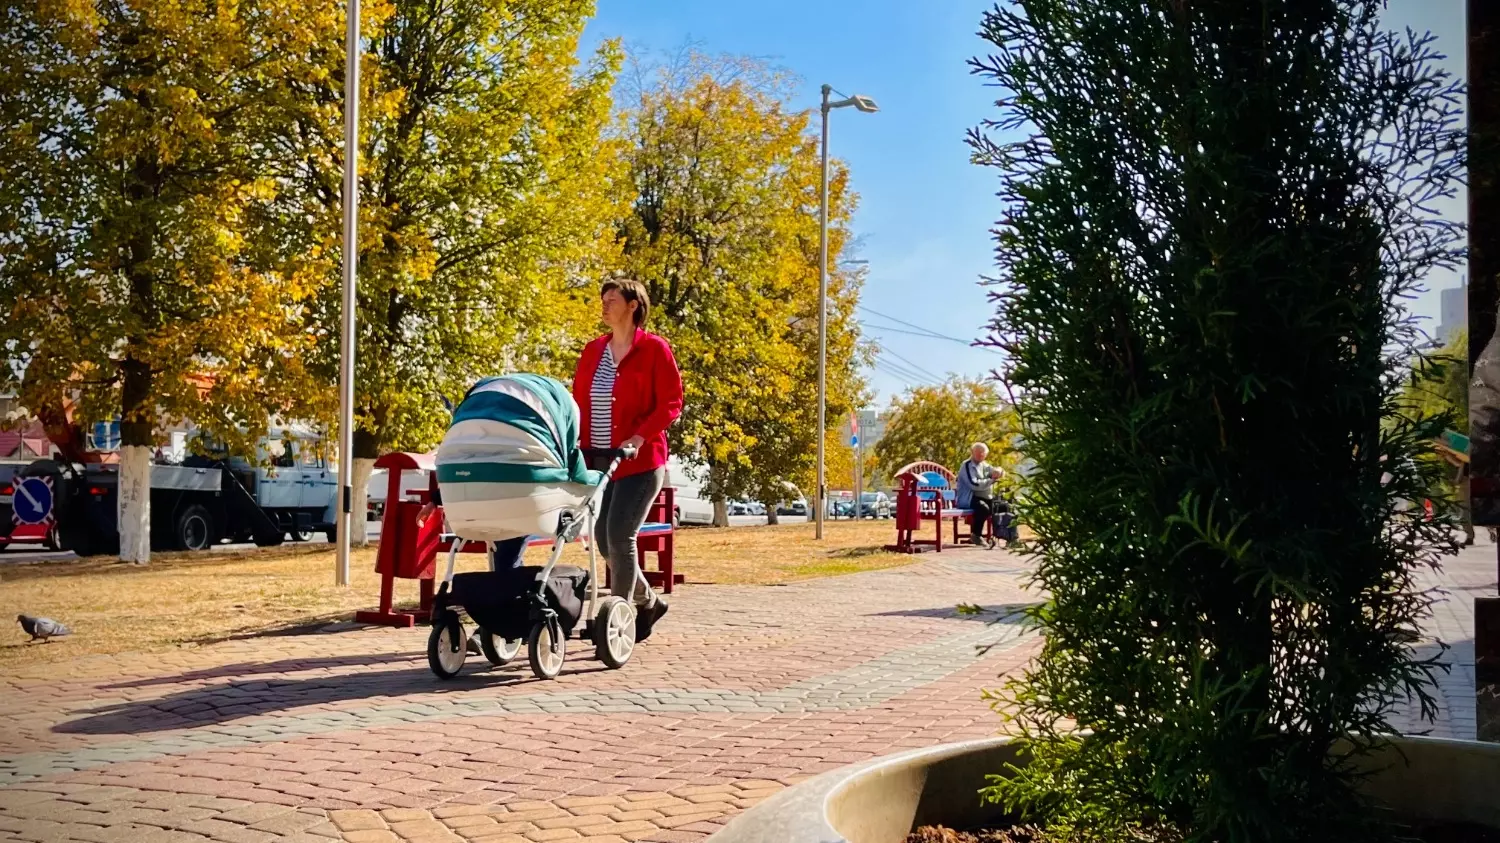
(32, 503)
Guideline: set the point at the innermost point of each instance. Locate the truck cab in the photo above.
(290, 488)
(291, 479)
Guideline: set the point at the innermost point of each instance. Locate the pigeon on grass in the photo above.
(42, 628)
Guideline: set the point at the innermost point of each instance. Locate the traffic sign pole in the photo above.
(859, 485)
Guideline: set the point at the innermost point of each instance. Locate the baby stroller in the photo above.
(510, 466)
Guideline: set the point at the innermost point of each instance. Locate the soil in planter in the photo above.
(1416, 832)
(1011, 834)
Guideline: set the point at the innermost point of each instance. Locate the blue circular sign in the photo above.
(32, 501)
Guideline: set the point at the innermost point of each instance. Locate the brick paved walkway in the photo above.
(347, 736)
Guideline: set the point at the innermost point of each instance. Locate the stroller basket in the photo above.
(500, 601)
(511, 466)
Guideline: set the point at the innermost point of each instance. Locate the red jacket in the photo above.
(648, 398)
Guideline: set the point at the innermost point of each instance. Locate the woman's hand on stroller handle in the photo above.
(628, 450)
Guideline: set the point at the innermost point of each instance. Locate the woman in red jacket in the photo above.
(629, 392)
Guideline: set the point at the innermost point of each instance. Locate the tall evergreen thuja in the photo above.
(1214, 213)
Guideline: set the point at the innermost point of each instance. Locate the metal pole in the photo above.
(823, 319)
(344, 516)
(859, 476)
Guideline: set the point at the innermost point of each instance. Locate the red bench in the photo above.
(407, 551)
(926, 494)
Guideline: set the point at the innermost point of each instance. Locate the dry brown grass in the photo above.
(196, 598)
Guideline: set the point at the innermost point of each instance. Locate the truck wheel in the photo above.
(194, 529)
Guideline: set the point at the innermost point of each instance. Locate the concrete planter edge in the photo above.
(882, 799)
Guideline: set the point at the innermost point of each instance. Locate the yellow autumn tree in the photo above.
(723, 231)
(487, 207)
(133, 185)
(939, 423)
(488, 204)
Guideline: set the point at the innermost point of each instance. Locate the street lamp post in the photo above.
(344, 516)
(868, 106)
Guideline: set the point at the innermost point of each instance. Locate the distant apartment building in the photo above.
(1453, 311)
(872, 426)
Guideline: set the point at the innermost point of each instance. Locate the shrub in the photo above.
(1215, 212)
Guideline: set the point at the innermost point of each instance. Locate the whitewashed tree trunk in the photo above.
(135, 504)
(359, 528)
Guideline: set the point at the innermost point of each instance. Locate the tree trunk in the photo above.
(359, 527)
(366, 451)
(134, 498)
(721, 511)
(772, 517)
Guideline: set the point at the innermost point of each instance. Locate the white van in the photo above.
(692, 506)
(380, 484)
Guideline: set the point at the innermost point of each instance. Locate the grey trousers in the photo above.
(627, 502)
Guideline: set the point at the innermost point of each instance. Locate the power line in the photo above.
(927, 331)
(916, 367)
(906, 376)
(905, 380)
(925, 334)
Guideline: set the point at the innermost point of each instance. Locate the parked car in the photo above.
(738, 507)
(874, 505)
(756, 508)
(796, 506)
(691, 504)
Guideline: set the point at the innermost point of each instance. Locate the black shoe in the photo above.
(646, 618)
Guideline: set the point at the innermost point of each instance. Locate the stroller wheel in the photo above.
(614, 632)
(446, 646)
(545, 648)
(498, 650)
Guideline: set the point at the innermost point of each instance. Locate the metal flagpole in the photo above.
(823, 320)
(346, 521)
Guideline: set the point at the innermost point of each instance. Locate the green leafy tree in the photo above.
(1213, 215)
(134, 141)
(488, 201)
(940, 423)
(723, 232)
(1439, 384)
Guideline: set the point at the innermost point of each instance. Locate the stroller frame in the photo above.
(609, 622)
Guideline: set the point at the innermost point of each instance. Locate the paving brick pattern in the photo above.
(347, 736)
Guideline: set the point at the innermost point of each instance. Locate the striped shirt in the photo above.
(601, 402)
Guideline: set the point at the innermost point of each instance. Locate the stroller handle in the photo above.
(612, 455)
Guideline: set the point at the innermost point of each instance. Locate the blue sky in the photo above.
(925, 212)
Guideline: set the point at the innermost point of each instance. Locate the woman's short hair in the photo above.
(630, 290)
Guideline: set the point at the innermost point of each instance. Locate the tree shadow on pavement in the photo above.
(223, 703)
(1453, 691)
(1005, 613)
(229, 671)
